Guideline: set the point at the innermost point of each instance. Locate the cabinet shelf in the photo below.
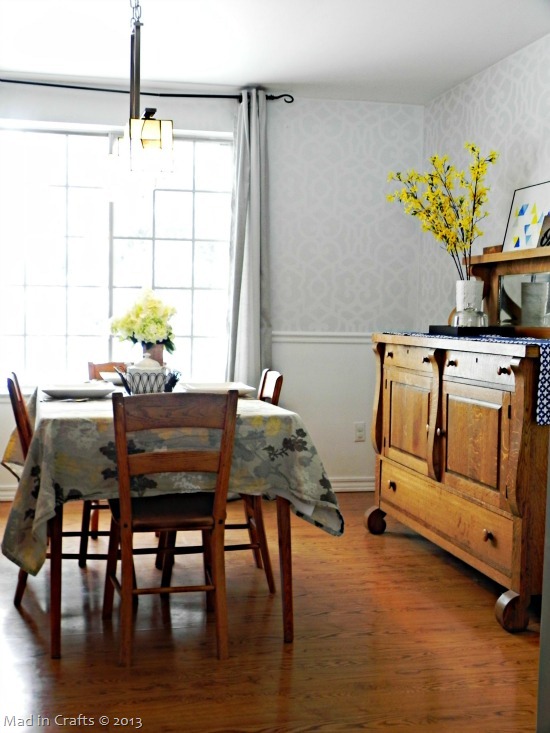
(492, 266)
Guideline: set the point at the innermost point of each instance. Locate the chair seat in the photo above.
(169, 512)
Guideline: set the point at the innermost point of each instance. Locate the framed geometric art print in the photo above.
(530, 206)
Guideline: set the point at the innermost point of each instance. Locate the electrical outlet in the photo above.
(360, 432)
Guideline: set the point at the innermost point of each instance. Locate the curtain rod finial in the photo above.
(288, 98)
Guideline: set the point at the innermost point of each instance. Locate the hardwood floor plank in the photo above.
(390, 633)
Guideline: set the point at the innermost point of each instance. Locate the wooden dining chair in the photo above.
(170, 513)
(25, 432)
(271, 383)
(269, 390)
(95, 369)
(94, 372)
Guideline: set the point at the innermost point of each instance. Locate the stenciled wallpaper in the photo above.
(505, 108)
(344, 259)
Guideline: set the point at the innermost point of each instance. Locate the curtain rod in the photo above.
(288, 98)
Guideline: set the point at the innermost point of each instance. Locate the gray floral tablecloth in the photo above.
(72, 456)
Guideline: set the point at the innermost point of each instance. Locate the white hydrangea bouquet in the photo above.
(147, 322)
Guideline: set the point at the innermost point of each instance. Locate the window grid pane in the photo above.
(80, 259)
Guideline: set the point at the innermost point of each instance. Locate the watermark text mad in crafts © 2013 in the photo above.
(70, 721)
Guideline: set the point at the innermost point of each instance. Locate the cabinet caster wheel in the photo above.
(511, 612)
(374, 520)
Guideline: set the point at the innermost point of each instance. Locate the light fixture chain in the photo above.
(136, 11)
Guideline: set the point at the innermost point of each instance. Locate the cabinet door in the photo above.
(476, 440)
(407, 409)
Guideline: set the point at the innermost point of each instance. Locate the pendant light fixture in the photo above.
(151, 141)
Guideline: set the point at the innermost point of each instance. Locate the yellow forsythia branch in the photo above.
(446, 203)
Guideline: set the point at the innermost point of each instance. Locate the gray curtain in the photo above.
(249, 300)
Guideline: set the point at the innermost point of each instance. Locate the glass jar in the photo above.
(470, 317)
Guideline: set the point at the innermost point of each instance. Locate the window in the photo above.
(79, 241)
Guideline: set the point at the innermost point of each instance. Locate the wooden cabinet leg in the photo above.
(511, 611)
(374, 520)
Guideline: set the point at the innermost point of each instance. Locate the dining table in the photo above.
(72, 457)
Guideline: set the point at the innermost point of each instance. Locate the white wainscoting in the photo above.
(328, 379)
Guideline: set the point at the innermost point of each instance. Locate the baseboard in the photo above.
(351, 483)
(7, 493)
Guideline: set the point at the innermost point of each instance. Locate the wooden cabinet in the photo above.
(460, 458)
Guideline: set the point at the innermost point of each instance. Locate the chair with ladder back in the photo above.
(55, 525)
(174, 414)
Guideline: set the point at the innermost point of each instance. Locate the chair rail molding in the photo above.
(321, 337)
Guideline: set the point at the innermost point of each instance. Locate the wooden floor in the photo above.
(391, 634)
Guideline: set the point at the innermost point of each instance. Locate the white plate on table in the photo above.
(112, 377)
(219, 387)
(87, 391)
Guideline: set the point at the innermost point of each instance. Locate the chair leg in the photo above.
(218, 577)
(110, 571)
(94, 527)
(249, 514)
(262, 539)
(169, 542)
(159, 560)
(56, 549)
(84, 534)
(20, 589)
(207, 565)
(256, 530)
(126, 598)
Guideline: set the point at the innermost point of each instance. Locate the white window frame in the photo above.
(113, 349)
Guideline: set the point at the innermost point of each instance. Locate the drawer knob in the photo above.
(389, 355)
(504, 370)
(488, 536)
(452, 362)
(426, 360)
(440, 432)
(392, 485)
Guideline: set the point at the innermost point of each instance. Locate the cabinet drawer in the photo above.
(408, 357)
(481, 537)
(491, 368)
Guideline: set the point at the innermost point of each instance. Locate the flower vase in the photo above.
(155, 351)
(469, 300)
(534, 303)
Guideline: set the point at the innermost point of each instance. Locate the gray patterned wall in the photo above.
(505, 108)
(343, 258)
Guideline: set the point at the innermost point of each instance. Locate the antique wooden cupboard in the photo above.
(460, 457)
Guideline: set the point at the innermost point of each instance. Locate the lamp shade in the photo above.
(151, 134)
(150, 144)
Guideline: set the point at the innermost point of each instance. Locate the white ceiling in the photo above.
(380, 50)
